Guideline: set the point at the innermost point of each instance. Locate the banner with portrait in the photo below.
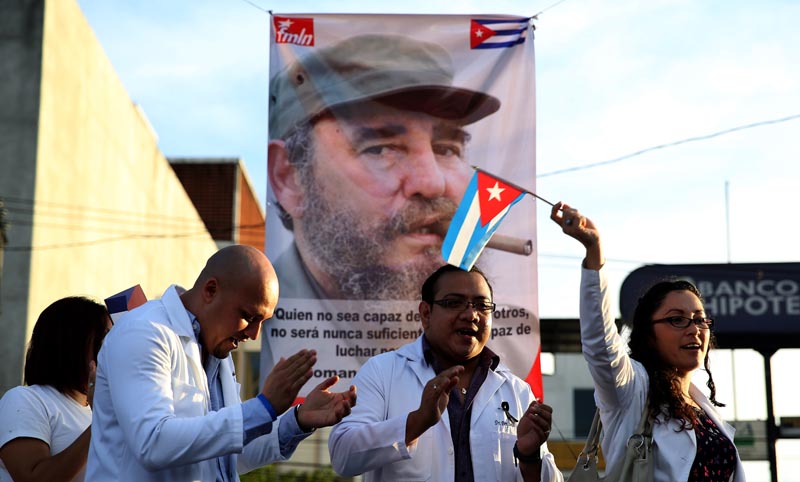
(375, 124)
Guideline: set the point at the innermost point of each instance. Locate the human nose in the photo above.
(423, 175)
(694, 328)
(252, 330)
(471, 311)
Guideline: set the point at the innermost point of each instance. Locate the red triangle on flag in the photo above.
(493, 196)
(478, 34)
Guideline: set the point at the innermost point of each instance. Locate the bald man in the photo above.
(166, 403)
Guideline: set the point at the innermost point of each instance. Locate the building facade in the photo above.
(92, 205)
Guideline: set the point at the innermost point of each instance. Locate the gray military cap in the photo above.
(392, 69)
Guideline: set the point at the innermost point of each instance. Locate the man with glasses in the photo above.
(443, 407)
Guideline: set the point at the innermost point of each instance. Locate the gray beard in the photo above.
(352, 252)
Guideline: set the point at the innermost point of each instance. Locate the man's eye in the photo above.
(379, 150)
(454, 304)
(374, 150)
(447, 150)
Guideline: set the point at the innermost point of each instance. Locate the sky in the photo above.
(612, 79)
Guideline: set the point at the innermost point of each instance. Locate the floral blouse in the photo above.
(716, 456)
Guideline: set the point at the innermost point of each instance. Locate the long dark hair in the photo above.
(66, 337)
(665, 387)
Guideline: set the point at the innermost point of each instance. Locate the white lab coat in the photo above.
(621, 386)
(151, 420)
(371, 439)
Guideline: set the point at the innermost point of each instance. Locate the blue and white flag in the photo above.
(485, 203)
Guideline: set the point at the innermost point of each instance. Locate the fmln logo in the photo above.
(293, 30)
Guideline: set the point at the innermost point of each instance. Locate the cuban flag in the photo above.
(124, 301)
(485, 203)
(497, 34)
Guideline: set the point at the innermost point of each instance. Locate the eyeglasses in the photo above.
(454, 304)
(684, 322)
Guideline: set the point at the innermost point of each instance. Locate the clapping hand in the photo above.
(434, 400)
(323, 408)
(287, 378)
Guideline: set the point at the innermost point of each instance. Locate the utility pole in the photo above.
(728, 245)
(3, 241)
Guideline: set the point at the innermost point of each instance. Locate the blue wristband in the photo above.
(268, 406)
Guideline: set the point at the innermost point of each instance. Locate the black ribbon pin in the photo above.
(504, 406)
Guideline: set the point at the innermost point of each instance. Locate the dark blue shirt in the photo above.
(460, 411)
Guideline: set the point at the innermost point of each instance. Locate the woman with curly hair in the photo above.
(45, 424)
(669, 341)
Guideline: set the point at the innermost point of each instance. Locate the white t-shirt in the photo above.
(41, 412)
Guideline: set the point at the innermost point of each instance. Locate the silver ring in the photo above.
(568, 222)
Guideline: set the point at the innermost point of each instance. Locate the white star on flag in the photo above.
(479, 33)
(494, 192)
(285, 24)
(479, 213)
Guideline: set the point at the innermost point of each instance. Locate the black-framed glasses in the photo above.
(684, 322)
(456, 304)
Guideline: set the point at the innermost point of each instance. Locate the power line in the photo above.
(107, 221)
(670, 144)
(106, 229)
(547, 8)
(124, 236)
(33, 203)
(578, 258)
(87, 218)
(257, 6)
(93, 242)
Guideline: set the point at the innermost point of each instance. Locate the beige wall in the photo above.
(110, 212)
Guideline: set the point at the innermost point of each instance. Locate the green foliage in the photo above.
(3, 227)
(270, 473)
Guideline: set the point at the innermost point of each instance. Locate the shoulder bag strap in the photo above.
(586, 466)
(592, 445)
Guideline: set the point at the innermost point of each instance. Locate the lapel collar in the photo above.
(699, 397)
(230, 387)
(179, 321)
(177, 316)
(413, 353)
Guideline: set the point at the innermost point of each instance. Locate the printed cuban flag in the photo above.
(485, 203)
(497, 33)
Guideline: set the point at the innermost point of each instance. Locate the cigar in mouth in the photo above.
(500, 242)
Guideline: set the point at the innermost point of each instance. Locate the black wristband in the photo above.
(297, 418)
(533, 458)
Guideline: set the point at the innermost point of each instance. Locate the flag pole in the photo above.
(515, 186)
